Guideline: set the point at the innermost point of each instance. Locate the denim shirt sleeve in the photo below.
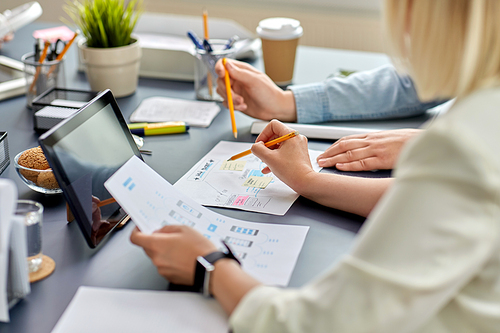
(376, 94)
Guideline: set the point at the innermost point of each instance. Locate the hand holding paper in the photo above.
(153, 203)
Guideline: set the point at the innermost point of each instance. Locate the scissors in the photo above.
(55, 49)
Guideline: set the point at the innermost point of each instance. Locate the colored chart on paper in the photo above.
(233, 165)
(256, 181)
(214, 182)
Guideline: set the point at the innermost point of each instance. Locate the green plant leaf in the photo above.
(105, 23)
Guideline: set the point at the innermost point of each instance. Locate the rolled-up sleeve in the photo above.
(380, 93)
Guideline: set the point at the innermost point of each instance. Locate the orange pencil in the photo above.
(205, 31)
(42, 59)
(63, 52)
(267, 144)
(230, 99)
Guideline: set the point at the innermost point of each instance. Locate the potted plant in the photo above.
(110, 55)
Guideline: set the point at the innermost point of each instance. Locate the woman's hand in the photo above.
(254, 93)
(173, 250)
(377, 150)
(289, 160)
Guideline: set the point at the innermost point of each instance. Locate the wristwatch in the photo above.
(205, 266)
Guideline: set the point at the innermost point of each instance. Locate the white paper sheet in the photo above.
(159, 109)
(102, 310)
(165, 42)
(317, 131)
(8, 196)
(210, 186)
(14, 282)
(268, 252)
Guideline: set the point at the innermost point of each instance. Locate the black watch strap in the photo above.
(214, 256)
(200, 271)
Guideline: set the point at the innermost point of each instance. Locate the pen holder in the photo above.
(4, 152)
(41, 77)
(205, 79)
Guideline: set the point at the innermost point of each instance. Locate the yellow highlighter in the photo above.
(171, 127)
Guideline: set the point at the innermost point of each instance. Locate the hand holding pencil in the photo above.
(289, 160)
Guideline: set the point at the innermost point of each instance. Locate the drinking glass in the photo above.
(32, 212)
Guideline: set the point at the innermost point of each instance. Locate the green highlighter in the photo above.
(171, 127)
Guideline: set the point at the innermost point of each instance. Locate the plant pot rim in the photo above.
(82, 44)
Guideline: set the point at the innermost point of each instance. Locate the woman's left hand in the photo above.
(173, 249)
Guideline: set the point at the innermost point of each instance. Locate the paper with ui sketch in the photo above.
(103, 310)
(212, 183)
(160, 109)
(268, 252)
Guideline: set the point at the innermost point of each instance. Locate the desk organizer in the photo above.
(4, 151)
(57, 104)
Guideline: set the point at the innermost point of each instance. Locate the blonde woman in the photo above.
(428, 260)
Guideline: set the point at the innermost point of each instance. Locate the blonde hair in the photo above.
(449, 47)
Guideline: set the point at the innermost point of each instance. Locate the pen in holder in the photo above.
(41, 76)
(205, 63)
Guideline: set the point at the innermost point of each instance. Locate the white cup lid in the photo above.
(279, 28)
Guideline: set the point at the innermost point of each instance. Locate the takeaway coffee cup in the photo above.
(280, 37)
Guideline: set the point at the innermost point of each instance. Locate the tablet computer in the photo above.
(83, 152)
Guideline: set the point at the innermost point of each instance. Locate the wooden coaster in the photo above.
(46, 268)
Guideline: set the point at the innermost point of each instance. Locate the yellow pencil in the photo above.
(230, 99)
(267, 144)
(205, 30)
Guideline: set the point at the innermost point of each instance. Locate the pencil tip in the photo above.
(229, 160)
(235, 135)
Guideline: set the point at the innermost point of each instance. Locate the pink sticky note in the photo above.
(52, 34)
(240, 201)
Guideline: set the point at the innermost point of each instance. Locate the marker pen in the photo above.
(172, 127)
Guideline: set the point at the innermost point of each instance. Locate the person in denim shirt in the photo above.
(375, 94)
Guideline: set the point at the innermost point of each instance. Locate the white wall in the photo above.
(345, 24)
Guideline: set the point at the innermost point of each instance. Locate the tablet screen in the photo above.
(84, 152)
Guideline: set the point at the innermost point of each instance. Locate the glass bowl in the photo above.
(42, 181)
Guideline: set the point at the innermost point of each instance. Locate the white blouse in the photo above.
(428, 257)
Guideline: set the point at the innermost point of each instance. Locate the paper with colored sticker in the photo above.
(256, 181)
(208, 185)
(267, 251)
(233, 165)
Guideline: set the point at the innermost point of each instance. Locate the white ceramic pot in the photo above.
(116, 68)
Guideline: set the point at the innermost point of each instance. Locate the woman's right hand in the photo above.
(288, 160)
(254, 93)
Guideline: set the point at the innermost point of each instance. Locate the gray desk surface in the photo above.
(117, 263)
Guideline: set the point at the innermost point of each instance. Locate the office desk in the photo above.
(116, 262)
